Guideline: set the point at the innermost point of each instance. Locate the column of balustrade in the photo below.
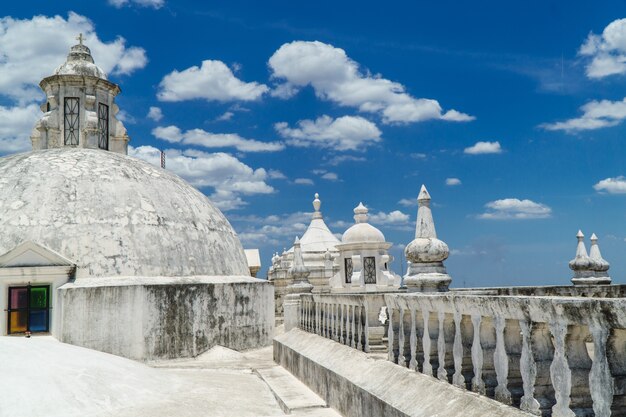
(426, 367)
(337, 320)
(365, 326)
(348, 322)
(528, 369)
(413, 342)
(342, 338)
(478, 385)
(353, 340)
(441, 348)
(600, 379)
(390, 335)
(560, 372)
(501, 363)
(401, 358)
(457, 352)
(359, 327)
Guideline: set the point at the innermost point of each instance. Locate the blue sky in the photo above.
(511, 114)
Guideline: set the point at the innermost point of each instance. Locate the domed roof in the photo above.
(317, 238)
(362, 231)
(114, 215)
(80, 62)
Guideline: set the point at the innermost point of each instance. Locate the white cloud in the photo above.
(408, 202)
(303, 181)
(213, 81)
(513, 208)
(27, 54)
(607, 52)
(200, 137)
(336, 77)
(225, 174)
(272, 230)
(453, 181)
(155, 4)
(596, 115)
(615, 185)
(480, 148)
(339, 159)
(276, 174)
(126, 117)
(16, 124)
(343, 133)
(330, 176)
(393, 217)
(225, 116)
(155, 113)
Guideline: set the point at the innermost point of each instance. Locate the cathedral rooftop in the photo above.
(80, 62)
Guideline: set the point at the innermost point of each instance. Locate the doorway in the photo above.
(29, 309)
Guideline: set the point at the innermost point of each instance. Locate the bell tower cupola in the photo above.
(80, 109)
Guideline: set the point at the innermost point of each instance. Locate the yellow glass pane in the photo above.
(18, 321)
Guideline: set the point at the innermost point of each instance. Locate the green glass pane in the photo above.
(39, 297)
(18, 321)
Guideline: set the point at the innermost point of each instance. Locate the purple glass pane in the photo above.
(18, 298)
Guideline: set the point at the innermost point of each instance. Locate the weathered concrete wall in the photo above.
(157, 318)
(357, 385)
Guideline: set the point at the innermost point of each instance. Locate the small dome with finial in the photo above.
(362, 231)
(581, 262)
(80, 62)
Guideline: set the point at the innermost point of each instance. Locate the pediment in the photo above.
(31, 254)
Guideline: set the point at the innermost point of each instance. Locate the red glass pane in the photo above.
(18, 321)
(18, 298)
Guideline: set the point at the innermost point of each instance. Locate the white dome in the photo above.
(80, 62)
(362, 231)
(114, 215)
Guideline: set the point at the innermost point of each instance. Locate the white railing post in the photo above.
(427, 368)
(501, 363)
(478, 385)
(560, 372)
(600, 379)
(528, 369)
(457, 351)
(442, 374)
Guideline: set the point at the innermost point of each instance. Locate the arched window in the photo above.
(103, 126)
(71, 121)
(369, 269)
(347, 262)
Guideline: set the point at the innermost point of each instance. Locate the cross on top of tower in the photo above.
(80, 38)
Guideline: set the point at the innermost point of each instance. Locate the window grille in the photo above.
(348, 265)
(72, 121)
(103, 126)
(369, 268)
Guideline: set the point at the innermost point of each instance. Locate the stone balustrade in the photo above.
(342, 318)
(549, 356)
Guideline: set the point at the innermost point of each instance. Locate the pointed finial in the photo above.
(298, 270)
(360, 214)
(580, 236)
(317, 203)
(594, 238)
(80, 39)
(424, 197)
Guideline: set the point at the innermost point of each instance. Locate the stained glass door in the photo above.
(29, 309)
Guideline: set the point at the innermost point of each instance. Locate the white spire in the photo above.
(299, 272)
(425, 227)
(598, 263)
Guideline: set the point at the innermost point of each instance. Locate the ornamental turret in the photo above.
(425, 254)
(80, 109)
(589, 269)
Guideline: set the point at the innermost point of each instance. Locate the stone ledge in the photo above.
(357, 385)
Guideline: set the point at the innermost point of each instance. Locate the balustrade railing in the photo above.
(549, 356)
(342, 318)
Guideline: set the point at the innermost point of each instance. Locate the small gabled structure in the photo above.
(29, 277)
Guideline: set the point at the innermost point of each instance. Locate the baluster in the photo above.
(348, 325)
(457, 352)
(401, 358)
(366, 328)
(359, 344)
(427, 368)
(324, 317)
(528, 369)
(342, 338)
(317, 318)
(600, 379)
(442, 374)
(336, 326)
(560, 373)
(353, 344)
(413, 343)
(305, 316)
(478, 385)
(501, 363)
(390, 335)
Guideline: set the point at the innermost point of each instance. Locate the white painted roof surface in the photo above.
(362, 231)
(80, 62)
(113, 215)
